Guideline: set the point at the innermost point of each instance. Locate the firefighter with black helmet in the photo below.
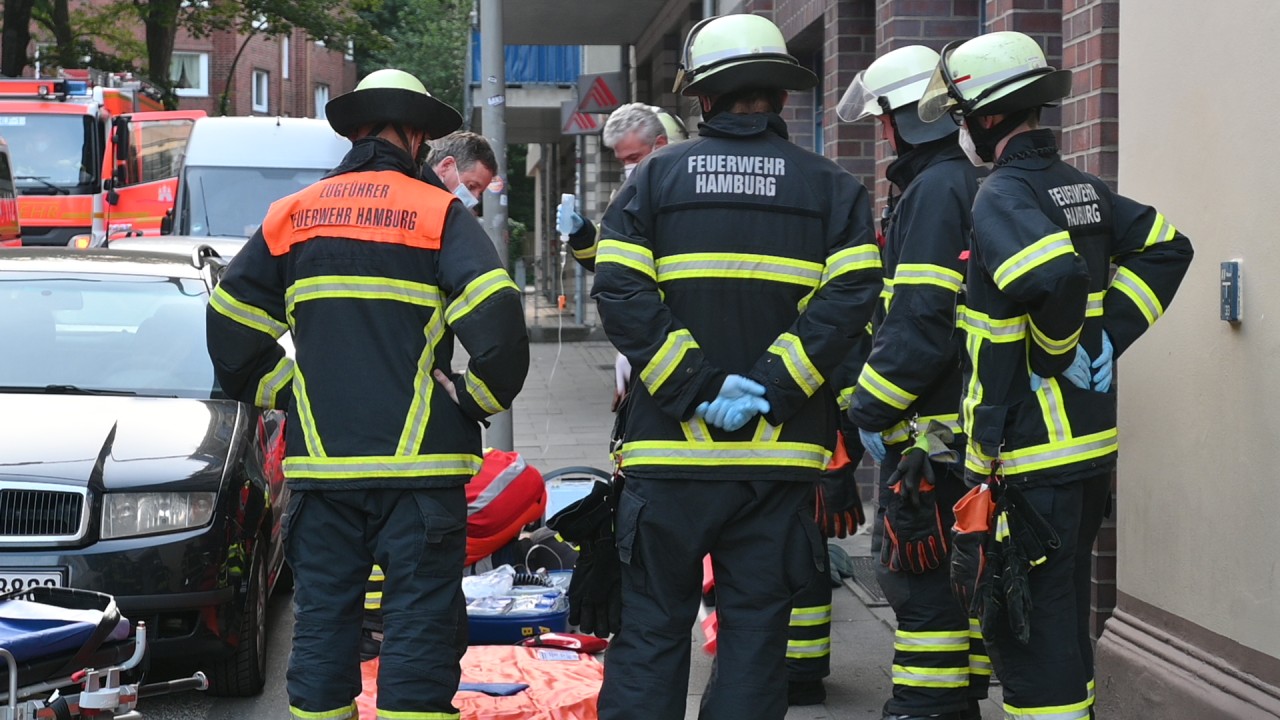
(735, 272)
(911, 383)
(374, 271)
(1064, 276)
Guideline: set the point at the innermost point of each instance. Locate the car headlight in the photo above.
(149, 513)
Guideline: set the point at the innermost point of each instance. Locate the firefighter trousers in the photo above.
(764, 548)
(809, 634)
(332, 540)
(940, 663)
(1052, 675)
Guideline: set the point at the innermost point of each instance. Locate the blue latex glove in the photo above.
(739, 400)
(1079, 373)
(568, 222)
(1104, 366)
(1036, 382)
(873, 443)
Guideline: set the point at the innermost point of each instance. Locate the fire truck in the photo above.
(94, 155)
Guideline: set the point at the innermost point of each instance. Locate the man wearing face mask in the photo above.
(633, 132)
(912, 378)
(374, 272)
(462, 163)
(1046, 319)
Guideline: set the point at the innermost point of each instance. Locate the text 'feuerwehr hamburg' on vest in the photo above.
(739, 174)
(368, 216)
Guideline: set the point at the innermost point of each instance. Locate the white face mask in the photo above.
(627, 170)
(468, 200)
(970, 150)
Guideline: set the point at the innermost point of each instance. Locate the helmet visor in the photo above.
(859, 101)
(940, 95)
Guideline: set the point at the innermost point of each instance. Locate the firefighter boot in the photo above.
(806, 692)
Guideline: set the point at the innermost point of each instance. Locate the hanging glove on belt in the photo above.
(595, 590)
(915, 539)
(838, 506)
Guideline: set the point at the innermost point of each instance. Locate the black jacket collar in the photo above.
(735, 125)
(910, 164)
(371, 154)
(1033, 149)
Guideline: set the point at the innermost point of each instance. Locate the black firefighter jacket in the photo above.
(739, 253)
(914, 368)
(372, 271)
(1046, 237)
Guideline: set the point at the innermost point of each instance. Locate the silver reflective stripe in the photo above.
(995, 77)
(695, 429)
(1032, 256)
(791, 350)
(1141, 295)
(272, 383)
(930, 677)
(380, 466)
(1000, 330)
(766, 432)
(923, 274)
(424, 385)
(339, 286)
(1078, 711)
(1094, 307)
(808, 648)
(660, 366)
(1055, 416)
(944, 641)
(765, 454)
(979, 665)
(811, 616)
(346, 713)
(310, 436)
(497, 486)
(476, 292)
(627, 254)
(246, 314)
(481, 394)
(1029, 462)
(707, 58)
(735, 265)
(903, 83)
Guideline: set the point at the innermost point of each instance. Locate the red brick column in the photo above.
(1090, 117)
(1042, 20)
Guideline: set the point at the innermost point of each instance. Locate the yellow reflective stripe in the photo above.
(790, 349)
(743, 266)
(1094, 307)
(380, 466)
(667, 359)
(811, 616)
(899, 433)
(979, 665)
(886, 391)
(1089, 688)
(886, 293)
(481, 394)
(1048, 455)
(476, 292)
(273, 382)
(808, 648)
(1053, 346)
(586, 252)
(1074, 711)
(245, 314)
(424, 386)
(412, 715)
(1001, 330)
(925, 274)
(630, 255)
(765, 432)
(1128, 282)
(361, 287)
(310, 436)
(1055, 417)
(1161, 231)
(932, 641)
(973, 391)
(858, 257)
(930, 677)
(975, 629)
(949, 420)
(695, 430)
(845, 398)
(1032, 257)
(675, 452)
(373, 601)
(343, 713)
(376, 575)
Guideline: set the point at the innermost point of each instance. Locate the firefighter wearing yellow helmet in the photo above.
(374, 272)
(911, 382)
(734, 272)
(1045, 321)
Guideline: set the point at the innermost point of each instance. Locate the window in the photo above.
(155, 150)
(322, 99)
(284, 57)
(261, 90)
(189, 73)
(350, 54)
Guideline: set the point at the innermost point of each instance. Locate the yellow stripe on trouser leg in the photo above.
(930, 676)
(343, 713)
(808, 648)
(411, 715)
(1074, 711)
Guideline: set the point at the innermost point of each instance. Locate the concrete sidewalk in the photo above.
(562, 419)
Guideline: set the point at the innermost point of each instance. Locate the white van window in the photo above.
(232, 201)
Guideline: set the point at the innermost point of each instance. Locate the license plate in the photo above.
(15, 581)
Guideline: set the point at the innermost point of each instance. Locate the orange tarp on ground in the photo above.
(561, 686)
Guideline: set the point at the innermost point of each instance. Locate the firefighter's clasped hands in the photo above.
(739, 400)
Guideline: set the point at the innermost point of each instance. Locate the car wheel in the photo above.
(245, 672)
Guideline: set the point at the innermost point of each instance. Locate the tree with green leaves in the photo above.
(427, 38)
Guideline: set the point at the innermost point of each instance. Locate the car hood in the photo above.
(115, 443)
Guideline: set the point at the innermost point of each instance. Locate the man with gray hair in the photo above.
(462, 163)
(633, 131)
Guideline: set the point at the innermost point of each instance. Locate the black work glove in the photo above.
(914, 537)
(595, 590)
(838, 506)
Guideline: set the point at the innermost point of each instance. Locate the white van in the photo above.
(235, 167)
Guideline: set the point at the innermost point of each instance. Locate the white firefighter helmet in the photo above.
(893, 84)
(993, 74)
(733, 52)
(672, 126)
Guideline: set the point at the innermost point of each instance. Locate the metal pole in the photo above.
(493, 117)
(579, 276)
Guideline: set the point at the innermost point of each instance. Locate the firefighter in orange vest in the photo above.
(374, 272)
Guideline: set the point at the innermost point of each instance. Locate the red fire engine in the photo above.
(94, 154)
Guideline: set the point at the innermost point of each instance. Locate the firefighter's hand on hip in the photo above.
(447, 384)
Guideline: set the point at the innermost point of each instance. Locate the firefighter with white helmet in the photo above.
(911, 382)
(1046, 321)
(735, 272)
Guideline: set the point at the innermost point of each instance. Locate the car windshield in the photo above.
(232, 202)
(51, 154)
(83, 332)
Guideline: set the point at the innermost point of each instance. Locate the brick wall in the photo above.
(1090, 117)
(1042, 20)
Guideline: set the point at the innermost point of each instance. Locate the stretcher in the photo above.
(70, 654)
